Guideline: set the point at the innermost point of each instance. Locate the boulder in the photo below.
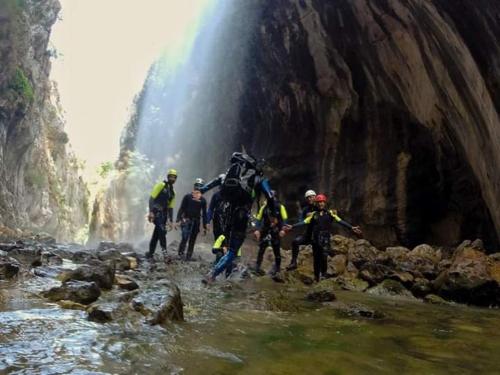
(337, 265)
(29, 256)
(390, 288)
(341, 244)
(51, 259)
(397, 253)
(353, 284)
(421, 287)
(77, 291)
(425, 252)
(362, 253)
(374, 273)
(102, 273)
(9, 268)
(162, 305)
(122, 247)
(473, 278)
(54, 272)
(83, 256)
(120, 261)
(101, 313)
(125, 282)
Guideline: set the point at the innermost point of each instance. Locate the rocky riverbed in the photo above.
(69, 309)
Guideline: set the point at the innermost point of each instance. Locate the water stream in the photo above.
(254, 326)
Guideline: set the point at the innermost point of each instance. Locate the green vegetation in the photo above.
(22, 85)
(105, 169)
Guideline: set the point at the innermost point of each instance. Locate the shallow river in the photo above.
(229, 330)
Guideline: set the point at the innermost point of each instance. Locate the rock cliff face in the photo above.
(40, 187)
(389, 106)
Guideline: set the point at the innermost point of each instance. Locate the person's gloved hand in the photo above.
(151, 217)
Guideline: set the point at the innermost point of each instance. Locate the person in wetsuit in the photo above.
(242, 183)
(161, 210)
(193, 207)
(269, 232)
(321, 223)
(305, 238)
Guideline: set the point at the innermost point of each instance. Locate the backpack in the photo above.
(241, 178)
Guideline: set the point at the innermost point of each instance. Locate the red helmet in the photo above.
(321, 198)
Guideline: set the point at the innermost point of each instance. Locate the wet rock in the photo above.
(102, 273)
(127, 296)
(495, 257)
(477, 244)
(51, 259)
(421, 287)
(9, 268)
(390, 288)
(341, 244)
(356, 310)
(293, 276)
(425, 252)
(473, 278)
(29, 256)
(77, 291)
(322, 295)
(133, 262)
(374, 273)
(122, 247)
(362, 253)
(397, 253)
(337, 265)
(53, 272)
(120, 261)
(353, 284)
(125, 282)
(162, 305)
(83, 256)
(44, 238)
(404, 278)
(102, 313)
(70, 305)
(435, 300)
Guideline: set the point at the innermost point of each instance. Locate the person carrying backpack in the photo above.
(161, 210)
(239, 188)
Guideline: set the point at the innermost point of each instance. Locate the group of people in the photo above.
(229, 213)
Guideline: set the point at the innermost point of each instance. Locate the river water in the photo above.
(250, 327)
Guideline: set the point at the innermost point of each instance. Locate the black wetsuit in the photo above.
(301, 239)
(321, 224)
(161, 202)
(189, 213)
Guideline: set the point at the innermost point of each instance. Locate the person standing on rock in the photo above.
(215, 216)
(305, 238)
(161, 210)
(269, 232)
(321, 224)
(193, 207)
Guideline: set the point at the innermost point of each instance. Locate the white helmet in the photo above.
(310, 193)
(199, 181)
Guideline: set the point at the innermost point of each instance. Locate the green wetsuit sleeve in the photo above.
(284, 214)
